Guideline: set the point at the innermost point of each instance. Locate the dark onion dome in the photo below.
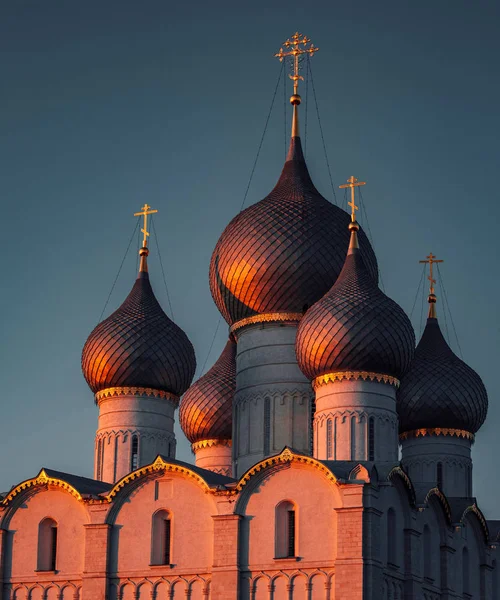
(355, 327)
(284, 253)
(139, 346)
(206, 411)
(440, 390)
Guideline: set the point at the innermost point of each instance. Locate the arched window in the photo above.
(47, 545)
(353, 438)
(391, 537)
(329, 440)
(427, 552)
(267, 426)
(371, 438)
(286, 530)
(98, 461)
(439, 475)
(465, 571)
(161, 546)
(134, 453)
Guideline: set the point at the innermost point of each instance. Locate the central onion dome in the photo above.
(355, 326)
(139, 346)
(284, 253)
(440, 390)
(206, 409)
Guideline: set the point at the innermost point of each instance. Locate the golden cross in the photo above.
(293, 48)
(145, 211)
(352, 183)
(431, 259)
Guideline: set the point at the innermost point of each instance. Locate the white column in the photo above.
(214, 455)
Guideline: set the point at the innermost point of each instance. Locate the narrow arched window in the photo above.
(335, 438)
(371, 438)
(134, 453)
(427, 552)
(329, 440)
(267, 426)
(439, 475)
(286, 530)
(161, 543)
(465, 571)
(98, 461)
(353, 438)
(391, 537)
(47, 545)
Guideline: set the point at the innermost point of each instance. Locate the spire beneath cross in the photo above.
(431, 260)
(145, 211)
(352, 183)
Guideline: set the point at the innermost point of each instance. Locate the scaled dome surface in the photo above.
(206, 410)
(440, 390)
(284, 253)
(355, 327)
(139, 346)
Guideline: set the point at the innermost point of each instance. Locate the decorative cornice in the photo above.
(266, 318)
(158, 465)
(442, 498)
(406, 480)
(287, 456)
(354, 375)
(475, 510)
(209, 443)
(434, 431)
(135, 391)
(42, 479)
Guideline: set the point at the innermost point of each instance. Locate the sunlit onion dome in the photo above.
(355, 326)
(284, 253)
(440, 390)
(207, 407)
(138, 345)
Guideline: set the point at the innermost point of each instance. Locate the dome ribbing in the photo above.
(284, 253)
(440, 390)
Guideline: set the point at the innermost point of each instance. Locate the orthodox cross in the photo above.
(352, 183)
(145, 211)
(431, 259)
(294, 49)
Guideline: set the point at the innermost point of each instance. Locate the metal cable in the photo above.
(445, 295)
(321, 131)
(284, 111)
(370, 236)
(248, 188)
(161, 266)
(421, 329)
(119, 270)
(418, 290)
(307, 95)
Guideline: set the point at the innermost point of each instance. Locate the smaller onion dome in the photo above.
(207, 407)
(440, 390)
(139, 346)
(355, 326)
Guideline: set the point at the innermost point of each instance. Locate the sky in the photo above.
(107, 105)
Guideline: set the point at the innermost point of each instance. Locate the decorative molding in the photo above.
(475, 510)
(435, 491)
(134, 391)
(354, 376)
(406, 480)
(42, 479)
(209, 443)
(287, 456)
(381, 415)
(266, 318)
(437, 431)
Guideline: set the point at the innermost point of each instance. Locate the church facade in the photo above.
(332, 457)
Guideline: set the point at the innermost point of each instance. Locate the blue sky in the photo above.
(105, 106)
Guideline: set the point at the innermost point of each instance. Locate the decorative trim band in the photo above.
(437, 431)
(354, 375)
(135, 391)
(209, 443)
(266, 318)
(41, 479)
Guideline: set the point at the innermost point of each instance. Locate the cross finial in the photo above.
(431, 260)
(145, 211)
(296, 47)
(352, 183)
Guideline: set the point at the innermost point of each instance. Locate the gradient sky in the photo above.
(107, 105)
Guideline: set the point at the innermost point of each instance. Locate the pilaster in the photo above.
(3, 545)
(226, 568)
(95, 570)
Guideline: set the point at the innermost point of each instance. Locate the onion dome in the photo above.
(284, 253)
(138, 345)
(206, 411)
(440, 390)
(355, 327)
